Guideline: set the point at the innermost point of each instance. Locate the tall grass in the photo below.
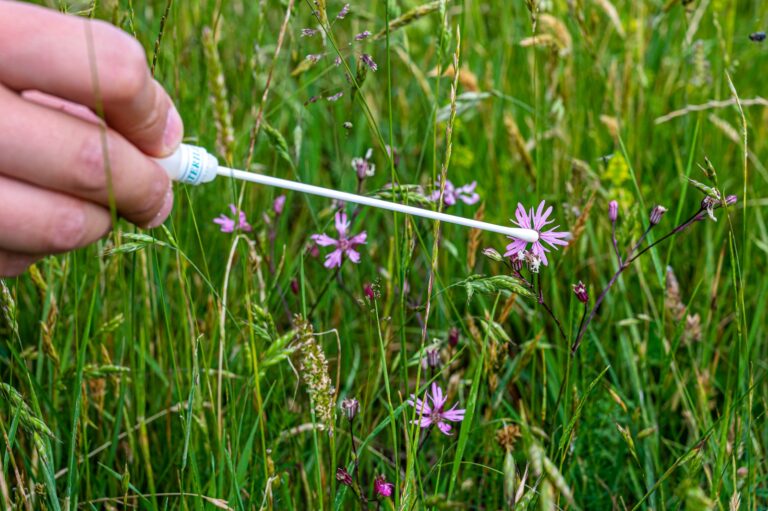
(169, 369)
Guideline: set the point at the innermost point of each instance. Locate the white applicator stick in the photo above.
(194, 165)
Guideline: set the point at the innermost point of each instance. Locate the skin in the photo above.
(54, 194)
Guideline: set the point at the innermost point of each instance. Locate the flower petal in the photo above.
(358, 239)
(515, 247)
(323, 240)
(341, 224)
(445, 428)
(333, 259)
(523, 220)
(454, 414)
(353, 255)
(438, 399)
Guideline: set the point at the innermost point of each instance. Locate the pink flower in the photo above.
(278, 205)
(228, 224)
(536, 221)
(436, 414)
(382, 488)
(344, 245)
(465, 193)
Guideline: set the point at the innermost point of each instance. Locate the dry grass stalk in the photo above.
(517, 141)
(709, 105)
(560, 32)
(222, 115)
(506, 309)
(467, 79)
(613, 15)
(581, 223)
(409, 17)
(475, 235)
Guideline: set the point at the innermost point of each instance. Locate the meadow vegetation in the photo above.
(270, 350)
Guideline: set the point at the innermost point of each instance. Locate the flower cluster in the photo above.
(363, 58)
(452, 194)
(711, 202)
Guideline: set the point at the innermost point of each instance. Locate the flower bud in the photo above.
(731, 199)
(492, 253)
(369, 292)
(278, 205)
(613, 211)
(343, 476)
(433, 357)
(580, 290)
(453, 337)
(656, 213)
(350, 407)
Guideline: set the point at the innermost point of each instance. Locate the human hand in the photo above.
(56, 154)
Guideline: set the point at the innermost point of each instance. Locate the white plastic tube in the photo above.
(194, 165)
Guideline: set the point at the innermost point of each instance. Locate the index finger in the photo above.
(47, 51)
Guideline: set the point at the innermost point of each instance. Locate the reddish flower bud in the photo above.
(369, 292)
(453, 337)
(295, 286)
(343, 476)
(580, 290)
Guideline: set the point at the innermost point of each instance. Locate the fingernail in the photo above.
(164, 211)
(174, 130)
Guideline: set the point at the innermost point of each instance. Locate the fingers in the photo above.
(53, 150)
(59, 55)
(13, 264)
(34, 221)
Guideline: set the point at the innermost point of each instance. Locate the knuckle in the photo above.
(152, 122)
(89, 172)
(69, 228)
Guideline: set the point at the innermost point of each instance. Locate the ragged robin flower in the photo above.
(435, 414)
(537, 221)
(345, 247)
(230, 224)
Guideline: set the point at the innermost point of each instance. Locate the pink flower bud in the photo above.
(656, 213)
(613, 210)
